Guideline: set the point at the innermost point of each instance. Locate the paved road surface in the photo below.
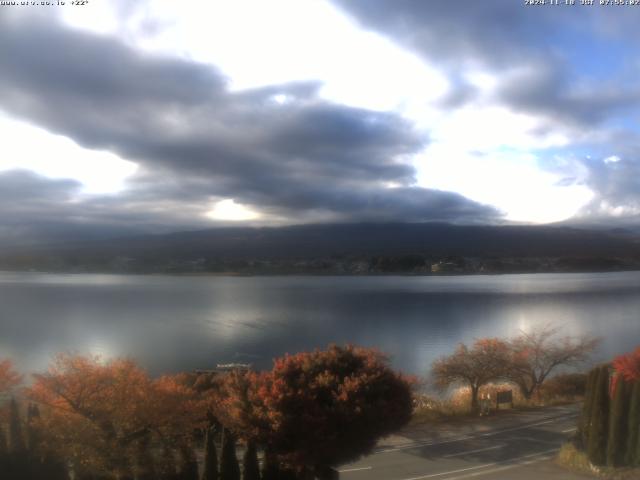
(518, 446)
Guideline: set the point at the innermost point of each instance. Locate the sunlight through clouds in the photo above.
(231, 211)
(258, 44)
(483, 122)
(513, 182)
(55, 156)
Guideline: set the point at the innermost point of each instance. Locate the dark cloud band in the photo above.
(197, 142)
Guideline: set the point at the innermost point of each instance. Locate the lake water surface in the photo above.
(172, 323)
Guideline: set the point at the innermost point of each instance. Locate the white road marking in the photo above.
(472, 451)
(466, 437)
(500, 469)
(569, 430)
(354, 469)
(452, 471)
(535, 440)
(541, 456)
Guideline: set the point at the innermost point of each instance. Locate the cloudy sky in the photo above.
(153, 116)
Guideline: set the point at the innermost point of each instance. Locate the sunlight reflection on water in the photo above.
(176, 323)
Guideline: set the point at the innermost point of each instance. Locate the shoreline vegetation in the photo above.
(313, 411)
(93, 418)
(339, 249)
(607, 440)
(339, 268)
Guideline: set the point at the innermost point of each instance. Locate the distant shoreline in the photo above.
(312, 274)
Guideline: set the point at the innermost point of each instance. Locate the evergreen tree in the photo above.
(33, 415)
(210, 470)
(16, 438)
(633, 439)
(251, 469)
(167, 465)
(270, 467)
(4, 451)
(599, 425)
(188, 463)
(55, 468)
(636, 462)
(34, 447)
(145, 465)
(229, 468)
(587, 409)
(289, 474)
(617, 442)
(18, 459)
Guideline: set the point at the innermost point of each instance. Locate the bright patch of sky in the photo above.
(229, 210)
(481, 151)
(55, 156)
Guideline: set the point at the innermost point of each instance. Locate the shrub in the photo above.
(565, 386)
(599, 424)
(618, 427)
(633, 440)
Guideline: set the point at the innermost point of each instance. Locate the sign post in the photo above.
(505, 396)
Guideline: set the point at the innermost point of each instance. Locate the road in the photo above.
(501, 447)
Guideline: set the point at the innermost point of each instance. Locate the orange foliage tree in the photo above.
(236, 404)
(9, 378)
(486, 361)
(319, 409)
(98, 412)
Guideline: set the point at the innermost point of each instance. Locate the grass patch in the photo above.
(576, 460)
(429, 408)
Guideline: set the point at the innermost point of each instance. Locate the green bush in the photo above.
(567, 385)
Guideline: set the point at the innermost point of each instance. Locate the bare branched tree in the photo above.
(487, 360)
(538, 353)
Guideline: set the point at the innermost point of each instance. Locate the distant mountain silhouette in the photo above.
(431, 241)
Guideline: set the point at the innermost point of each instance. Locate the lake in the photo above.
(172, 323)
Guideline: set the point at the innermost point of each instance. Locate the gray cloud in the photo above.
(546, 89)
(492, 32)
(37, 209)
(574, 67)
(616, 182)
(499, 36)
(303, 160)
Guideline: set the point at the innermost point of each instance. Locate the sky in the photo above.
(126, 117)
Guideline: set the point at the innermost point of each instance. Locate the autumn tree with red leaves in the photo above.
(12, 458)
(97, 413)
(486, 361)
(628, 365)
(9, 378)
(319, 409)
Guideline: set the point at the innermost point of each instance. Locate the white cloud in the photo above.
(259, 43)
(480, 150)
(25, 146)
(483, 152)
(511, 181)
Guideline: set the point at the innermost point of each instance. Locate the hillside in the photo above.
(343, 248)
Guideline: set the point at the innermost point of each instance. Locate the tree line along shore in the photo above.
(90, 418)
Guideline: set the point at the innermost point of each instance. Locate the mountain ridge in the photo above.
(285, 249)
